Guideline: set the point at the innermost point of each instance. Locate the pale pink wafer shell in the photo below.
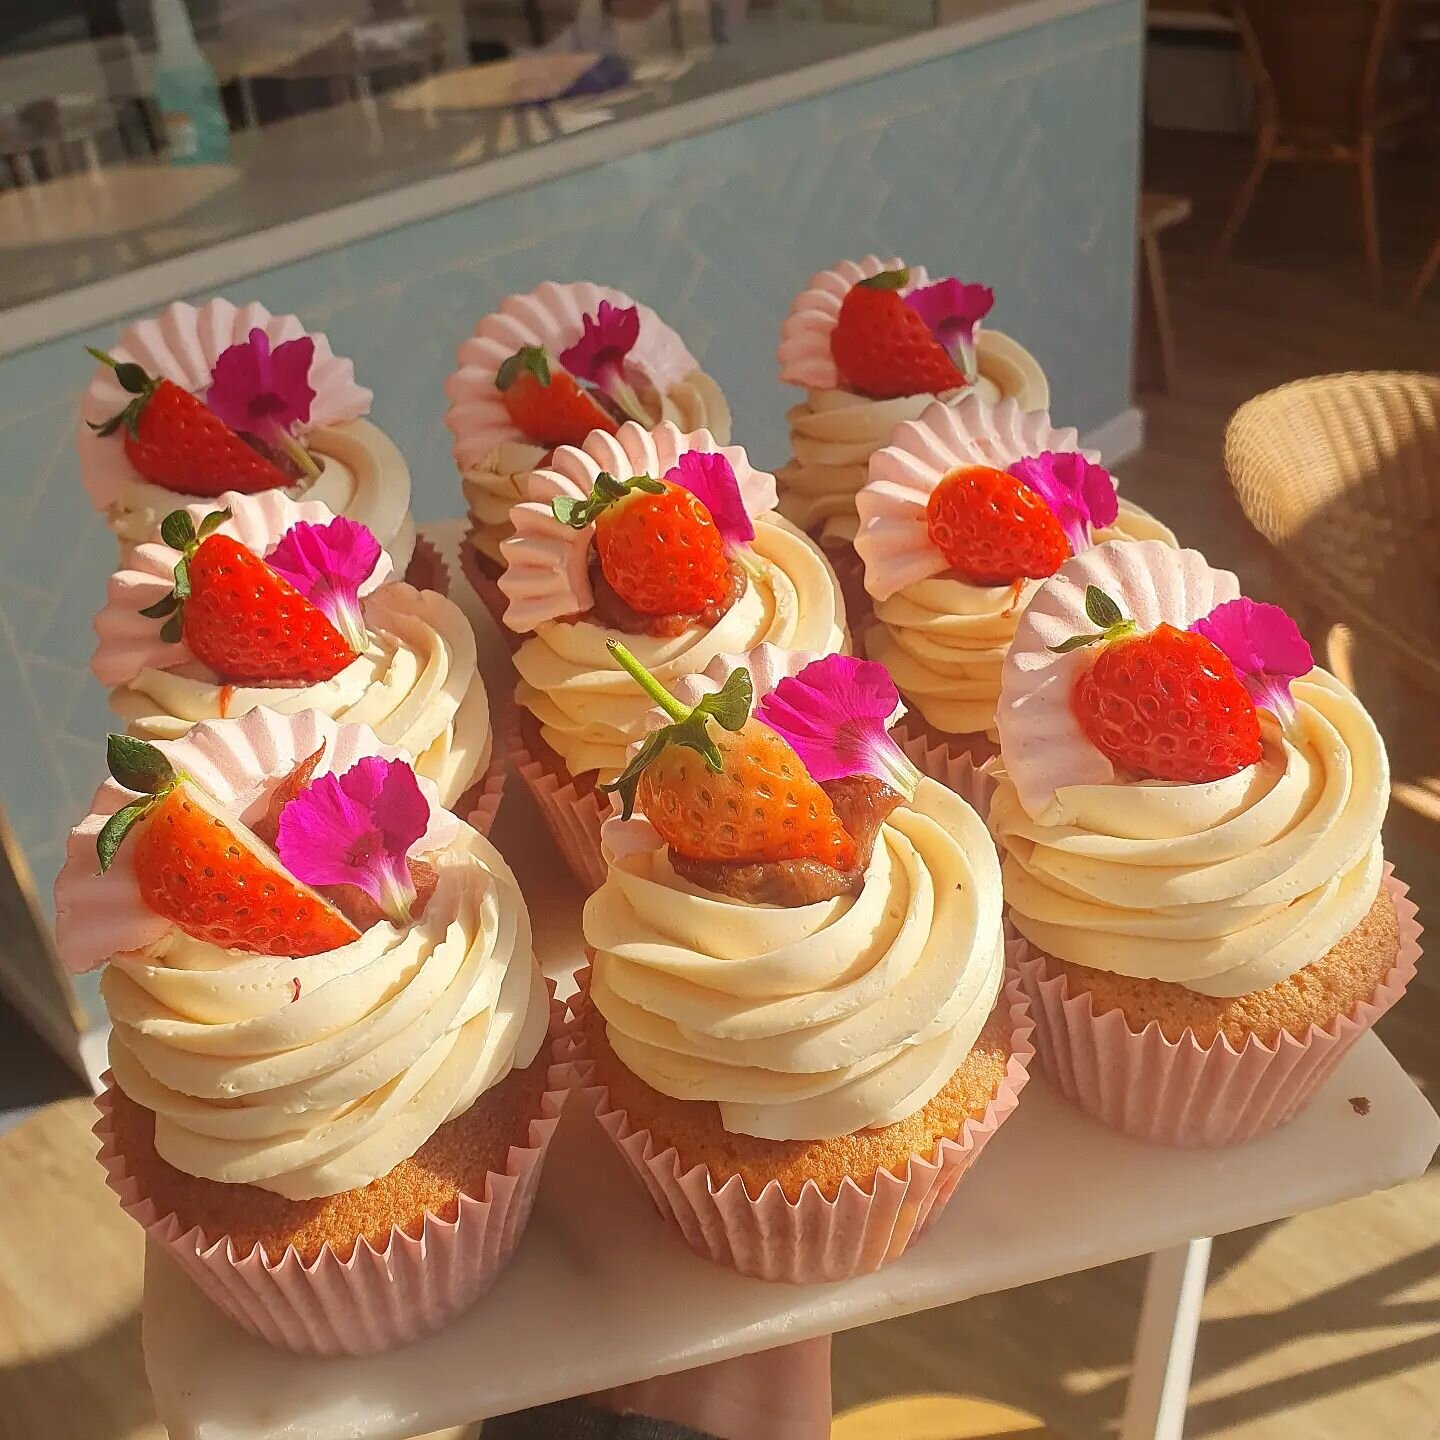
(574, 817)
(378, 1299)
(427, 569)
(1183, 1093)
(957, 763)
(473, 565)
(812, 1240)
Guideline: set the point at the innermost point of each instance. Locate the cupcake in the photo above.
(546, 369)
(192, 403)
(670, 543)
(966, 511)
(1190, 816)
(261, 600)
(797, 1025)
(330, 1089)
(872, 342)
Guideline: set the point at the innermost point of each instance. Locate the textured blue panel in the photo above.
(1013, 163)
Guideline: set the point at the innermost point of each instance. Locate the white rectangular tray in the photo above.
(601, 1293)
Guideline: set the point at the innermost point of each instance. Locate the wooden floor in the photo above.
(1322, 1328)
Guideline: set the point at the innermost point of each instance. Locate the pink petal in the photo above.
(388, 790)
(606, 338)
(834, 714)
(952, 309)
(290, 376)
(256, 391)
(328, 564)
(1081, 495)
(1265, 646)
(711, 480)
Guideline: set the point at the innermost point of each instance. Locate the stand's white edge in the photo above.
(33, 323)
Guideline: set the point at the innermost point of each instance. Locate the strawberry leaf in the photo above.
(1075, 642)
(212, 522)
(138, 765)
(1100, 608)
(578, 513)
(182, 579)
(173, 629)
(177, 530)
(530, 359)
(887, 280)
(132, 378)
(164, 606)
(117, 827)
(730, 705)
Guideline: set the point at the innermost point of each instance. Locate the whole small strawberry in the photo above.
(884, 348)
(1163, 704)
(658, 544)
(993, 529)
(206, 871)
(546, 403)
(176, 442)
(239, 616)
(732, 791)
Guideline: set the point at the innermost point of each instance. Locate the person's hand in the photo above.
(773, 1395)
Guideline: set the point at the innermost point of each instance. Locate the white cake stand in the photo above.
(601, 1293)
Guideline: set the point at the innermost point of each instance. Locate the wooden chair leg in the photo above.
(1159, 310)
(1244, 198)
(1426, 275)
(1370, 217)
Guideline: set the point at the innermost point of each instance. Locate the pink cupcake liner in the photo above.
(427, 570)
(956, 762)
(811, 1240)
(1183, 1093)
(379, 1299)
(573, 817)
(474, 567)
(480, 804)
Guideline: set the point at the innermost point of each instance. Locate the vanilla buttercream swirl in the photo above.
(944, 640)
(362, 476)
(1225, 887)
(316, 1075)
(416, 685)
(811, 1022)
(590, 710)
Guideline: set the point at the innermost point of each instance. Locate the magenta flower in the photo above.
(1081, 495)
(598, 356)
(835, 715)
(266, 393)
(328, 564)
(1266, 648)
(953, 311)
(711, 480)
(357, 829)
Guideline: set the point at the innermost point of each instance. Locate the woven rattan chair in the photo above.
(1342, 475)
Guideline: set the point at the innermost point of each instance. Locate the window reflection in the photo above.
(135, 130)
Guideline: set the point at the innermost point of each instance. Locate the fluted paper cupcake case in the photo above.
(378, 1299)
(953, 763)
(573, 817)
(479, 805)
(487, 587)
(1184, 1093)
(427, 570)
(811, 1240)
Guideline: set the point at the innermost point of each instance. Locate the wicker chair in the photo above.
(1341, 474)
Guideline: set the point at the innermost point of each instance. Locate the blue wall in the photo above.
(1013, 163)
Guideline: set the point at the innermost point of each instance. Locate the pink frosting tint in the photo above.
(129, 642)
(182, 344)
(1041, 744)
(546, 563)
(236, 763)
(551, 315)
(805, 357)
(894, 541)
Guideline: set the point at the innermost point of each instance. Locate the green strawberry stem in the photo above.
(1101, 610)
(674, 708)
(730, 706)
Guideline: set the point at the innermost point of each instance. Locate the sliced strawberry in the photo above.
(546, 403)
(174, 441)
(993, 529)
(249, 625)
(884, 349)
